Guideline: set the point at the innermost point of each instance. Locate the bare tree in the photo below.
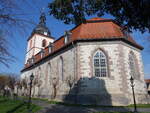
(9, 81)
(39, 83)
(18, 87)
(11, 16)
(12, 80)
(35, 83)
(70, 81)
(3, 82)
(24, 85)
(11, 21)
(5, 56)
(55, 82)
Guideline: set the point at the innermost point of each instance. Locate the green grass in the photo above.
(68, 104)
(140, 105)
(33, 98)
(80, 105)
(117, 112)
(120, 112)
(90, 106)
(15, 106)
(113, 112)
(42, 99)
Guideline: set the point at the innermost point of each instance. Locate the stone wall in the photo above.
(117, 84)
(47, 75)
(79, 85)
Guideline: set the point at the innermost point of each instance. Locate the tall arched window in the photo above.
(43, 43)
(40, 76)
(61, 76)
(100, 64)
(49, 72)
(132, 65)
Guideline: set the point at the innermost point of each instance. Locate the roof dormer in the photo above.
(67, 36)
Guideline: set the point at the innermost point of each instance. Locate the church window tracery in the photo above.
(132, 65)
(100, 64)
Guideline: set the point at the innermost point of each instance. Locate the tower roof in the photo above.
(41, 28)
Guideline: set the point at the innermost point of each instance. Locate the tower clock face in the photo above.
(45, 33)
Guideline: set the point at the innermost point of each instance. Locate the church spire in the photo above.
(42, 19)
(41, 28)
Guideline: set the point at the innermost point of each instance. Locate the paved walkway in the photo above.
(53, 108)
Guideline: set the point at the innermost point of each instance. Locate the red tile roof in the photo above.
(147, 80)
(99, 29)
(97, 18)
(95, 28)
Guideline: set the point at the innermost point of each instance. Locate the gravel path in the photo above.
(53, 108)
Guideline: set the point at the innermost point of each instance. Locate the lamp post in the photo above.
(31, 79)
(132, 85)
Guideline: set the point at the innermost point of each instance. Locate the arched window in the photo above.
(49, 72)
(132, 65)
(43, 43)
(61, 76)
(100, 64)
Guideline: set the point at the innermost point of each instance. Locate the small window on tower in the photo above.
(44, 43)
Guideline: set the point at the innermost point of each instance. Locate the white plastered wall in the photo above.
(36, 45)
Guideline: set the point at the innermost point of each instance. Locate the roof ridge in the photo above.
(98, 19)
(80, 33)
(79, 30)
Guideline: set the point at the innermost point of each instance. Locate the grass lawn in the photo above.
(68, 104)
(116, 112)
(91, 106)
(15, 106)
(140, 105)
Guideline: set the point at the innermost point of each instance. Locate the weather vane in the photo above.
(42, 17)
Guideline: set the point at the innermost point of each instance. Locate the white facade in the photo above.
(34, 45)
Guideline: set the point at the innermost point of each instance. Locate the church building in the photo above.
(90, 64)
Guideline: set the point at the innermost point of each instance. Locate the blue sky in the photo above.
(32, 12)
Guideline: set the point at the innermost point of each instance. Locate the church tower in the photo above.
(39, 39)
